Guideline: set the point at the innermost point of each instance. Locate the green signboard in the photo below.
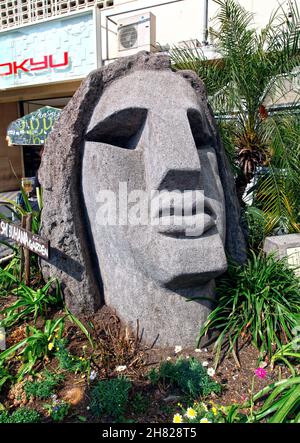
(33, 128)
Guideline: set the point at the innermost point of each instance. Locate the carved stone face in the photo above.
(135, 129)
(149, 133)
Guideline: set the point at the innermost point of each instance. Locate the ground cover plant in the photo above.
(22, 415)
(110, 397)
(43, 387)
(188, 375)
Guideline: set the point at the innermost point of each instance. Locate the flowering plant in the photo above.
(202, 413)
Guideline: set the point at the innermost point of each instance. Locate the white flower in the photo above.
(191, 413)
(88, 408)
(205, 363)
(187, 357)
(211, 372)
(178, 349)
(93, 375)
(204, 420)
(198, 350)
(121, 368)
(169, 358)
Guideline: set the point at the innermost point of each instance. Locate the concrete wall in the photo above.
(10, 157)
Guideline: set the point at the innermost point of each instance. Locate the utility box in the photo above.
(285, 246)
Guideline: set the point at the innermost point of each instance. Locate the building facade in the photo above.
(49, 46)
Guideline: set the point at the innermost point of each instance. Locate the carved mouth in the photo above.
(194, 225)
(191, 227)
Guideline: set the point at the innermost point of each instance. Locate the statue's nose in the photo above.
(171, 157)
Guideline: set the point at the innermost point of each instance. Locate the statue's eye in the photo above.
(122, 129)
(200, 130)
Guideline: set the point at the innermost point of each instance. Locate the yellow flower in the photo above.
(191, 413)
(223, 409)
(179, 404)
(214, 410)
(177, 418)
(50, 346)
(204, 420)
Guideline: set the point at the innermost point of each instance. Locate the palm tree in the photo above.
(252, 65)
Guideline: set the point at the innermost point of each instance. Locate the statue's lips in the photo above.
(185, 226)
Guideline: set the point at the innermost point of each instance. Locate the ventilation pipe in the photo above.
(205, 23)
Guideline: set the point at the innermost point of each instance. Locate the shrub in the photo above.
(110, 397)
(22, 415)
(43, 388)
(188, 375)
(259, 302)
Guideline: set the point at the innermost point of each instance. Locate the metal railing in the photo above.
(14, 13)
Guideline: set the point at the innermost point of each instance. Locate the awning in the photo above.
(33, 128)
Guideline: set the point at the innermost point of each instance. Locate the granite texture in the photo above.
(138, 122)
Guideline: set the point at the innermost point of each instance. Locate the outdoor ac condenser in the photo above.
(136, 33)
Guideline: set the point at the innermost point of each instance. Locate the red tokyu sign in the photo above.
(31, 65)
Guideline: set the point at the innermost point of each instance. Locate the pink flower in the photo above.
(260, 373)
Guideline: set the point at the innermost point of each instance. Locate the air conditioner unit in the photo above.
(137, 33)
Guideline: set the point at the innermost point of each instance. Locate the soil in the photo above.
(116, 346)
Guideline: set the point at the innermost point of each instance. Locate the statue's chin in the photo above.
(182, 262)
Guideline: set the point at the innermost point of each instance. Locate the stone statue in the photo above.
(137, 128)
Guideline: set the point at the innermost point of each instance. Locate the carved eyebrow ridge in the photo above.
(122, 128)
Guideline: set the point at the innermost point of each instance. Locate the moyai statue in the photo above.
(139, 200)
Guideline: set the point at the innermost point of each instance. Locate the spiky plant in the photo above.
(251, 66)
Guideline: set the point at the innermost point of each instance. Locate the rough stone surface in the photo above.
(138, 122)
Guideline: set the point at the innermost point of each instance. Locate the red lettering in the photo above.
(37, 66)
(57, 65)
(20, 66)
(14, 67)
(10, 68)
